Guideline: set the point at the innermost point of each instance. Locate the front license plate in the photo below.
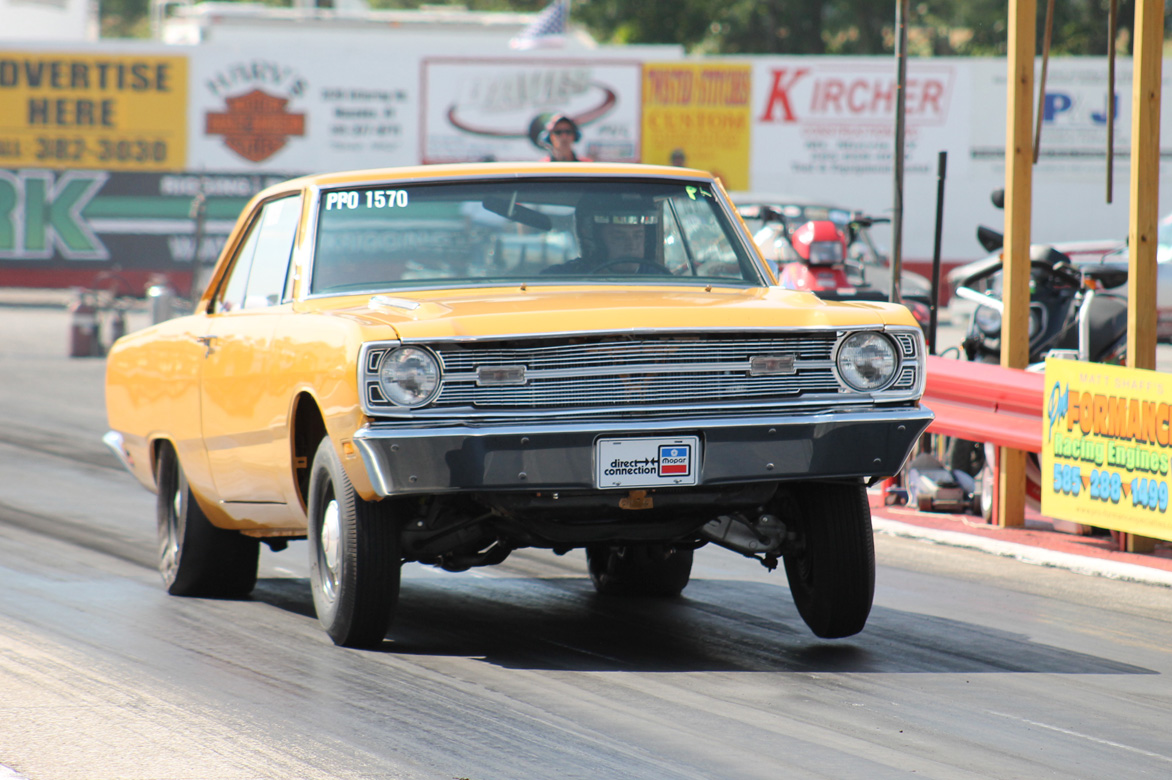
(636, 463)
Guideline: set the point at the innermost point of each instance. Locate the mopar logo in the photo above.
(673, 460)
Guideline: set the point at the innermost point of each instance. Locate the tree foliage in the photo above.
(935, 27)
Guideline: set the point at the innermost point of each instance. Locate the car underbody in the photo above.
(456, 532)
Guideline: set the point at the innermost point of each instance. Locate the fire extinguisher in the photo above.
(83, 326)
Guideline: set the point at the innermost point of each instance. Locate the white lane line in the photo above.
(1088, 737)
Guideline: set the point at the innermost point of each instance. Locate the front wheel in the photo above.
(195, 557)
(639, 570)
(354, 556)
(831, 572)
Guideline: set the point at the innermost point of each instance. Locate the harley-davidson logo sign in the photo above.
(256, 125)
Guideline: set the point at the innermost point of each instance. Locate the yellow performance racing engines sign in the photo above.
(88, 110)
(1106, 448)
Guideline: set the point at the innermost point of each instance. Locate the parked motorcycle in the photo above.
(823, 266)
(1076, 313)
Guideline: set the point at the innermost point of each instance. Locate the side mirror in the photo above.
(990, 239)
(998, 198)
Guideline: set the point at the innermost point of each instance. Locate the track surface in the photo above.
(971, 666)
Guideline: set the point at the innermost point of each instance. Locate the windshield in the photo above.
(484, 233)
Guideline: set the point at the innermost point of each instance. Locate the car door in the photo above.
(243, 417)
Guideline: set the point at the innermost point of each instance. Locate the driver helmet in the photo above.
(599, 209)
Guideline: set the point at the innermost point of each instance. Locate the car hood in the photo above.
(520, 312)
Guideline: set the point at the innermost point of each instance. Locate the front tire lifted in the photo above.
(195, 557)
(831, 569)
(355, 556)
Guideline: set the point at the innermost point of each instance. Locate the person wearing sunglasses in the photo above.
(560, 134)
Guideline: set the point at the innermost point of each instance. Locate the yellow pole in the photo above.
(1147, 67)
(1018, 193)
(1145, 183)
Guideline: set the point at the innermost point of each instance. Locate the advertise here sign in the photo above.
(1106, 447)
(123, 112)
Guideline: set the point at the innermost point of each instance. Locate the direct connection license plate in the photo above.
(636, 463)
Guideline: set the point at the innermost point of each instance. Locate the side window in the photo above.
(257, 277)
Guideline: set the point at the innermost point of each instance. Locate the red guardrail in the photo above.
(985, 402)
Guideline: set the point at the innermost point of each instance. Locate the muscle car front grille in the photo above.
(625, 353)
(623, 371)
(638, 389)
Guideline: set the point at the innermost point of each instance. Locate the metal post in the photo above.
(1112, 31)
(901, 14)
(941, 168)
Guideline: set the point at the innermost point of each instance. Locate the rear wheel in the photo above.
(354, 556)
(968, 456)
(831, 573)
(639, 570)
(195, 557)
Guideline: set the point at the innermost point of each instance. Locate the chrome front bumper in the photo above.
(408, 458)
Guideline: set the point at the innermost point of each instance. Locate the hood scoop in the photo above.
(406, 306)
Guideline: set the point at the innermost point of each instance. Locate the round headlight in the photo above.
(409, 376)
(867, 361)
(988, 320)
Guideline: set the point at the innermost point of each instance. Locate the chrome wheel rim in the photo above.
(169, 532)
(329, 547)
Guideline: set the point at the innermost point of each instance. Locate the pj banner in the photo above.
(699, 115)
(1106, 448)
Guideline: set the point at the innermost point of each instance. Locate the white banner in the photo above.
(277, 110)
(480, 109)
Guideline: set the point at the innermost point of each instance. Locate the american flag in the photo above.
(547, 30)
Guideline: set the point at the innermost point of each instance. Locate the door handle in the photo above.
(209, 343)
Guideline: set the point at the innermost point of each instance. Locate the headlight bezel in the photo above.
(393, 390)
(849, 374)
(987, 320)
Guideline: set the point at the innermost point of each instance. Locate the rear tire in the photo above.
(355, 556)
(968, 456)
(832, 573)
(195, 557)
(639, 570)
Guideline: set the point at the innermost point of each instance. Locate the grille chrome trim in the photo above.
(642, 374)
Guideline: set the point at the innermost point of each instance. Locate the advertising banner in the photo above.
(115, 229)
(494, 109)
(1073, 143)
(1106, 448)
(698, 114)
(824, 130)
(81, 109)
(833, 119)
(281, 112)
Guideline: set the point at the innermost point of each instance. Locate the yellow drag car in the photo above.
(445, 364)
